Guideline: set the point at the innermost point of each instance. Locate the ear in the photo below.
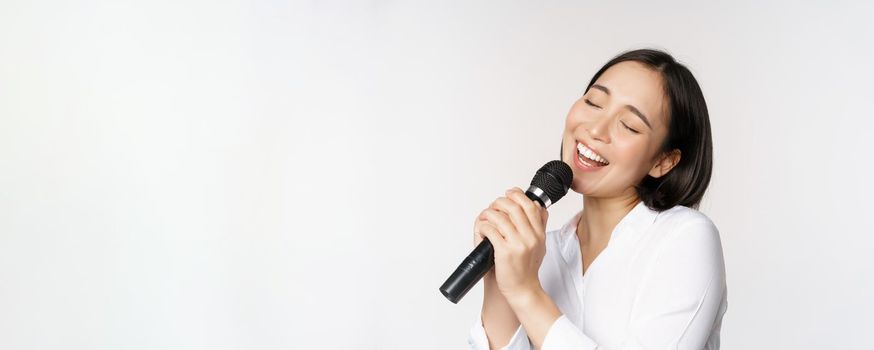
(667, 162)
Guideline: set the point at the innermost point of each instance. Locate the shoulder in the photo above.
(683, 221)
(685, 250)
(683, 229)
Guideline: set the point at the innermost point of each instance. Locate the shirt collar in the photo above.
(637, 220)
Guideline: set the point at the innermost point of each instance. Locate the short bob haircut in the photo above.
(689, 132)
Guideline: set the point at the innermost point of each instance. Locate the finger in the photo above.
(515, 212)
(521, 228)
(494, 236)
(531, 209)
(479, 222)
(541, 213)
(482, 214)
(477, 236)
(502, 222)
(483, 220)
(527, 233)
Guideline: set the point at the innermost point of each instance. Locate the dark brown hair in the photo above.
(689, 132)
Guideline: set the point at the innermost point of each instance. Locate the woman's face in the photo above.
(623, 119)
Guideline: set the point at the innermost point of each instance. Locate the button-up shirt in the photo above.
(659, 284)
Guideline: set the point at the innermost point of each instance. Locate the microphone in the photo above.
(550, 184)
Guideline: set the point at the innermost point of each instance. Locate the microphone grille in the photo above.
(554, 178)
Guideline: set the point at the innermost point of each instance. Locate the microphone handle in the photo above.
(475, 266)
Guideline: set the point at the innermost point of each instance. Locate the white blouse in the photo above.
(659, 284)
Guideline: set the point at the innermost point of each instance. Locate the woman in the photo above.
(637, 267)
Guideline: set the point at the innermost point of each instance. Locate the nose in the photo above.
(599, 129)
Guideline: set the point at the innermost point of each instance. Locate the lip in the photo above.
(586, 166)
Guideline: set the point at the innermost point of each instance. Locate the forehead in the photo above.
(633, 83)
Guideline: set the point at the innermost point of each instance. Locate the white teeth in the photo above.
(588, 153)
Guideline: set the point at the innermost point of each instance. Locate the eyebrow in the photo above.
(633, 109)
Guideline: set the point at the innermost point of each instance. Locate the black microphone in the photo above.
(550, 184)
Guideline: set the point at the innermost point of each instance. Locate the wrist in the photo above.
(525, 297)
(536, 312)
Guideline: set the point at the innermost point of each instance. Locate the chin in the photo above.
(578, 187)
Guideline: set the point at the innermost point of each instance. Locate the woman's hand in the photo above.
(516, 227)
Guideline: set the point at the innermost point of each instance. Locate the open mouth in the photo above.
(590, 158)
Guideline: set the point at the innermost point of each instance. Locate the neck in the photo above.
(600, 216)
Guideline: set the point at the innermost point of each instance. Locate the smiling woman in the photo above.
(667, 90)
(638, 267)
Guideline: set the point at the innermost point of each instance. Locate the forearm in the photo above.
(536, 311)
(498, 318)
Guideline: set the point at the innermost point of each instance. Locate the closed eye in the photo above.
(592, 104)
(632, 130)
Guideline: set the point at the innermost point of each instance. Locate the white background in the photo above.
(263, 175)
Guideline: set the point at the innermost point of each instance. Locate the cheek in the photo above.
(633, 156)
(575, 116)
